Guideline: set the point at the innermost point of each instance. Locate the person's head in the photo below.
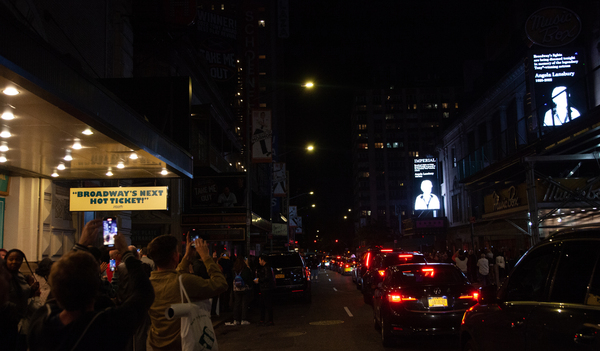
(263, 260)
(163, 251)
(214, 255)
(43, 268)
(14, 260)
(96, 253)
(226, 190)
(3, 253)
(239, 264)
(426, 186)
(559, 96)
(144, 251)
(482, 255)
(134, 251)
(74, 280)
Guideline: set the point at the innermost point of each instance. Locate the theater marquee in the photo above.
(118, 198)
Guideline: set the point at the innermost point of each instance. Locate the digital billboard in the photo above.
(426, 187)
(559, 86)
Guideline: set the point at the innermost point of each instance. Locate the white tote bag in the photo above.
(197, 333)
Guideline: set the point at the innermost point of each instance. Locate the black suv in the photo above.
(550, 301)
(292, 275)
(374, 270)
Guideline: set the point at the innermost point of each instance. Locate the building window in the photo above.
(363, 174)
(362, 126)
(444, 105)
(379, 145)
(261, 23)
(364, 146)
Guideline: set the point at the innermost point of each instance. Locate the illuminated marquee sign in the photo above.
(119, 198)
(558, 83)
(425, 177)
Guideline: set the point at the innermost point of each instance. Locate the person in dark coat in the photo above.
(266, 282)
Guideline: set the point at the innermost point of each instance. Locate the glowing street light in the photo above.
(309, 85)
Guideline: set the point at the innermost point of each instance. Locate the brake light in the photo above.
(474, 295)
(368, 259)
(405, 256)
(387, 250)
(381, 272)
(347, 265)
(428, 272)
(396, 298)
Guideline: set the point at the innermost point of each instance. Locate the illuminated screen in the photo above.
(558, 76)
(426, 189)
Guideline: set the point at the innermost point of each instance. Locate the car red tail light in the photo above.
(387, 250)
(347, 265)
(396, 298)
(474, 295)
(368, 260)
(405, 256)
(428, 272)
(381, 272)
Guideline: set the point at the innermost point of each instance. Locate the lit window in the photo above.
(388, 117)
(456, 105)
(363, 146)
(261, 23)
(395, 145)
(262, 104)
(362, 126)
(389, 146)
(444, 105)
(446, 114)
(262, 57)
(379, 145)
(222, 6)
(414, 106)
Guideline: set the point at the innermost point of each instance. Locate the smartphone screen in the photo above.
(109, 225)
(113, 265)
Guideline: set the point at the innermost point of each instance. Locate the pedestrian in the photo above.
(241, 292)
(461, 260)
(165, 334)
(42, 273)
(266, 282)
(225, 298)
(70, 322)
(9, 316)
(483, 270)
(21, 289)
(501, 264)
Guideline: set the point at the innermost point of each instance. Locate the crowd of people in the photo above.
(100, 298)
(485, 266)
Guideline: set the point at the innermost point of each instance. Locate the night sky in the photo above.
(348, 45)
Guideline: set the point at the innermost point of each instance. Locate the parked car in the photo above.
(421, 299)
(348, 266)
(550, 301)
(292, 275)
(383, 259)
(362, 264)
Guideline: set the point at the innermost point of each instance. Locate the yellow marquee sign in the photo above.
(119, 198)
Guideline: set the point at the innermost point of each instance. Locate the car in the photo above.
(292, 275)
(362, 264)
(549, 301)
(381, 260)
(348, 266)
(421, 299)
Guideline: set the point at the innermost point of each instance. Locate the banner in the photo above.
(262, 136)
(279, 180)
(118, 198)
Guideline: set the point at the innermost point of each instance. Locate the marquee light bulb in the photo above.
(8, 115)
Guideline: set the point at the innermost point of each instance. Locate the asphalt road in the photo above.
(336, 319)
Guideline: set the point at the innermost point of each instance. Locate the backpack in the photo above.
(238, 282)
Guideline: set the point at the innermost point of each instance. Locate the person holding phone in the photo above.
(165, 334)
(70, 321)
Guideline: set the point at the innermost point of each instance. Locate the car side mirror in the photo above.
(487, 295)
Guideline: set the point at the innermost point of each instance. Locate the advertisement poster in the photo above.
(426, 187)
(279, 180)
(219, 191)
(118, 198)
(559, 86)
(262, 135)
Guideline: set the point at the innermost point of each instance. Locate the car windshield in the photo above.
(423, 274)
(280, 261)
(392, 259)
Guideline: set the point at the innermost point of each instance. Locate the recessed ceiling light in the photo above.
(10, 91)
(109, 173)
(5, 134)
(8, 115)
(88, 131)
(133, 156)
(120, 165)
(77, 144)
(55, 174)
(164, 172)
(2, 158)
(4, 146)
(68, 156)
(61, 167)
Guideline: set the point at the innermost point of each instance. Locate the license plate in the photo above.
(279, 276)
(438, 302)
